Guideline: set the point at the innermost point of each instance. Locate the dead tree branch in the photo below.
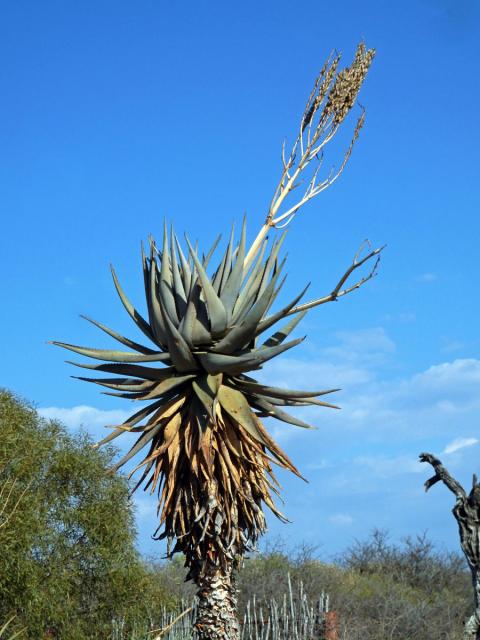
(441, 474)
(337, 291)
(162, 632)
(467, 515)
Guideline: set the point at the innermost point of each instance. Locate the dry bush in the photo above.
(382, 591)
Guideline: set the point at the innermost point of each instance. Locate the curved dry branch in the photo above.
(337, 291)
(441, 474)
(164, 630)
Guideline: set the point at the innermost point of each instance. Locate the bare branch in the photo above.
(337, 291)
(166, 629)
(441, 474)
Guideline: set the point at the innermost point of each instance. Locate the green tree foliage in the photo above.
(381, 590)
(68, 564)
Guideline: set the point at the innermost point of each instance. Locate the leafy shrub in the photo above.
(68, 564)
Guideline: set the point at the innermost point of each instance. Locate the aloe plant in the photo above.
(206, 453)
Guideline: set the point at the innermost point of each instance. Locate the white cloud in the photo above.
(459, 443)
(360, 345)
(384, 466)
(341, 519)
(290, 371)
(427, 277)
(405, 317)
(319, 465)
(372, 447)
(364, 458)
(89, 418)
(84, 415)
(145, 507)
(429, 403)
(450, 346)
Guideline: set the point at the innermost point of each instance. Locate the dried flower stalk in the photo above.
(333, 95)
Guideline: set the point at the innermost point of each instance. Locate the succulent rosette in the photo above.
(206, 451)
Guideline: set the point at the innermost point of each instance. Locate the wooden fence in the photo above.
(295, 617)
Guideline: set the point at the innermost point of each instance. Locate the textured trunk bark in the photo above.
(472, 626)
(217, 605)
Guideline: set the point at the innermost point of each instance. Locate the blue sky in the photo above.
(117, 114)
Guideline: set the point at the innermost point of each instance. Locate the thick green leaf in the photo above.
(279, 336)
(228, 261)
(146, 278)
(168, 385)
(158, 390)
(141, 323)
(217, 278)
(167, 297)
(299, 402)
(121, 384)
(319, 403)
(186, 272)
(256, 291)
(220, 363)
(231, 290)
(275, 317)
(278, 289)
(156, 318)
(128, 343)
(249, 290)
(206, 259)
(113, 356)
(191, 328)
(167, 302)
(178, 349)
(236, 405)
(128, 370)
(216, 310)
(278, 392)
(178, 289)
(240, 336)
(166, 272)
(206, 388)
(271, 262)
(277, 413)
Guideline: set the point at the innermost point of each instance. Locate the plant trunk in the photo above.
(467, 515)
(217, 605)
(472, 625)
